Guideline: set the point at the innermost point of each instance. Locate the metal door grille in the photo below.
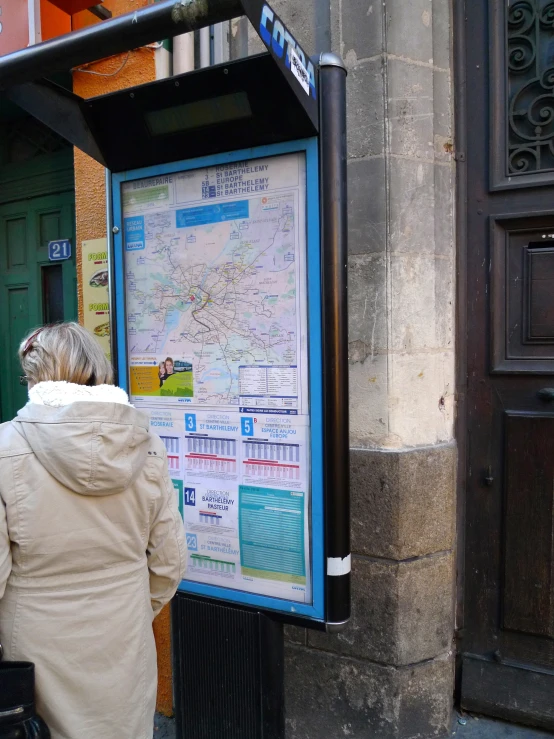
(228, 672)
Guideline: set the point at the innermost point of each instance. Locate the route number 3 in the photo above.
(190, 421)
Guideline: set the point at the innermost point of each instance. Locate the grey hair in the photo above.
(64, 351)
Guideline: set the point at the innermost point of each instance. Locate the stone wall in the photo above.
(390, 673)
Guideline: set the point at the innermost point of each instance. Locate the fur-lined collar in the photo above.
(58, 394)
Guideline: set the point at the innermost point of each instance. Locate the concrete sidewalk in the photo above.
(478, 727)
(475, 727)
(164, 728)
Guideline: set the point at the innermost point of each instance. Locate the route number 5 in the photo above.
(247, 426)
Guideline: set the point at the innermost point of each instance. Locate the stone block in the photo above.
(330, 697)
(372, 630)
(413, 309)
(444, 210)
(299, 19)
(367, 209)
(404, 501)
(402, 612)
(412, 206)
(421, 312)
(442, 34)
(294, 634)
(362, 28)
(421, 398)
(425, 612)
(410, 109)
(365, 110)
(410, 29)
(442, 123)
(367, 330)
(444, 301)
(368, 399)
(336, 22)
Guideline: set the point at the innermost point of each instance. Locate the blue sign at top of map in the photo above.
(204, 214)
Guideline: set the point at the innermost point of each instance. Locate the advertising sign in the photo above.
(221, 347)
(95, 278)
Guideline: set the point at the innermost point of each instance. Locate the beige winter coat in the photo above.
(91, 548)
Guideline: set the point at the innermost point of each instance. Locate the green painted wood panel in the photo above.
(26, 276)
(18, 317)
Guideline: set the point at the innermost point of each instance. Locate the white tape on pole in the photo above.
(337, 566)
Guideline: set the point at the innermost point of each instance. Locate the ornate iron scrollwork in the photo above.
(530, 79)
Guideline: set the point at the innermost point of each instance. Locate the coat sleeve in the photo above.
(167, 548)
(5, 549)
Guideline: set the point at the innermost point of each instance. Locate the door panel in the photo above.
(19, 320)
(507, 641)
(528, 596)
(33, 290)
(16, 241)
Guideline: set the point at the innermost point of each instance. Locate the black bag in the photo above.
(18, 719)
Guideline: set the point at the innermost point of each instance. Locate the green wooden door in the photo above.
(33, 291)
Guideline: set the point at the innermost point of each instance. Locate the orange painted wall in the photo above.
(53, 21)
(124, 70)
(90, 203)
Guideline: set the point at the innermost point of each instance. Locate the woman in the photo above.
(161, 373)
(91, 541)
(169, 367)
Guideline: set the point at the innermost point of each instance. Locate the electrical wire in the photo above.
(104, 74)
(156, 45)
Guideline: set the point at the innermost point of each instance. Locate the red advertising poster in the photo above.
(14, 25)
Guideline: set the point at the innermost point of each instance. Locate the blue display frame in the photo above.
(315, 611)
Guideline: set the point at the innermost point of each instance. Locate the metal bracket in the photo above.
(100, 12)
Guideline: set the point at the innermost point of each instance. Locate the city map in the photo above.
(215, 285)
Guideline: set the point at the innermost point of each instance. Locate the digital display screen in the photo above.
(198, 114)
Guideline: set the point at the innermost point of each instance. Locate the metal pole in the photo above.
(183, 53)
(332, 80)
(204, 47)
(161, 20)
(111, 275)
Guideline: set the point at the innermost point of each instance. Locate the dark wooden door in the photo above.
(33, 290)
(507, 634)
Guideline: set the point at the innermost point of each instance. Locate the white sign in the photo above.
(299, 71)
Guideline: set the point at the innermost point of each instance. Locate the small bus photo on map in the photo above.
(164, 377)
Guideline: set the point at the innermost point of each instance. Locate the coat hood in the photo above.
(89, 438)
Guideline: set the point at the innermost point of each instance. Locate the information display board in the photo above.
(94, 278)
(219, 340)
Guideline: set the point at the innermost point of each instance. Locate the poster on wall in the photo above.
(217, 337)
(95, 278)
